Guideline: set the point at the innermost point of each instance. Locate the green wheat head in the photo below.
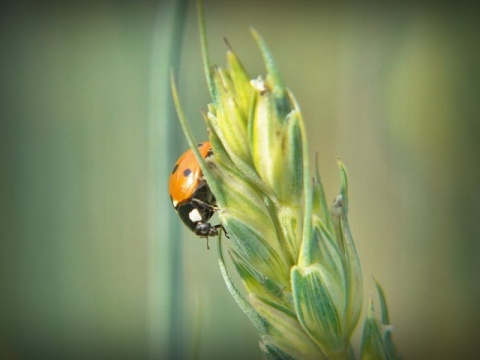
(293, 252)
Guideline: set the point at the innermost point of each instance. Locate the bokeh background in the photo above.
(93, 261)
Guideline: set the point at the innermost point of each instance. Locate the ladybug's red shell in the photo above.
(187, 175)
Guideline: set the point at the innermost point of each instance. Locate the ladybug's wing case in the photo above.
(184, 180)
(186, 175)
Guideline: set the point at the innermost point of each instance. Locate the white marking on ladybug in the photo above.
(195, 216)
(175, 202)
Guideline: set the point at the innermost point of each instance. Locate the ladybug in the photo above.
(191, 197)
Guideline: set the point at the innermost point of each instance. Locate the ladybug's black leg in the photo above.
(205, 205)
(225, 232)
(220, 227)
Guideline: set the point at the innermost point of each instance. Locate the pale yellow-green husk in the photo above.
(294, 253)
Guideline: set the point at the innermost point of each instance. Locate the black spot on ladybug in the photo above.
(200, 145)
(187, 172)
(174, 168)
(209, 153)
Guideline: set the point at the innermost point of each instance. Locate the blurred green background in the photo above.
(93, 261)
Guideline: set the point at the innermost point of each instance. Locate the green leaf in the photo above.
(305, 252)
(256, 248)
(383, 303)
(290, 173)
(204, 47)
(377, 335)
(392, 352)
(257, 283)
(285, 333)
(316, 308)
(327, 255)
(353, 272)
(272, 352)
(241, 81)
(290, 234)
(231, 120)
(265, 132)
(274, 80)
(248, 309)
(373, 346)
(320, 207)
